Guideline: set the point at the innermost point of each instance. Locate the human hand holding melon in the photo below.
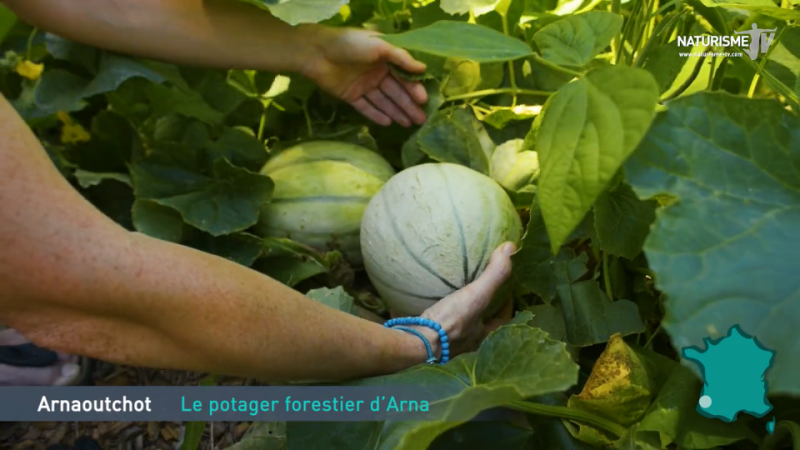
(436, 242)
(461, 313)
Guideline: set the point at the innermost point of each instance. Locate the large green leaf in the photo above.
(295, 12)
(499, 117)
(333, 435)
(534, 263)
(291, 262)
(549, 319)
(590, 317)
(665, 63)
(726, 252)
(764, 7)
(240, 148)
(622, 221)
(672, 418)
(461, 40)
(514, 362)
(226, 202)
(157, 221)
(241, 248)
(335, 298)
(7, 22)
(454, 135)
(263, 436)
(166, 100)
(81, 55)
(576, 40)
(585, 132)
(60, 90)
(477, 7)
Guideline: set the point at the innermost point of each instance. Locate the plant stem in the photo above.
(29, 48)
(308, 119)
(485, 92)
(719, 75)
(627, 29)
(554, 66)
(712, 73)
(512, 76)
(590, 6)
(665, 24)
(263, 120)
(640, 28)
(689, 81)
(607, 277)
(616, 43)
(757, 76)
(563, 412)
(652, 336)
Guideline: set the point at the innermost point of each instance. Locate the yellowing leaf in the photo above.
(29, 69)
(619, 387)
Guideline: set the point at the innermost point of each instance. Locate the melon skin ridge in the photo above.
(321, 191)
(431, 230)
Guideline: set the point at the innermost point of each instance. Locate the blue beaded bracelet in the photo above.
(431, 357)
(424, 322)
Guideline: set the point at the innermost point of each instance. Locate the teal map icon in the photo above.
(734, 371)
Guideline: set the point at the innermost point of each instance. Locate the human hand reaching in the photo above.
(460, 313)
(354, 65)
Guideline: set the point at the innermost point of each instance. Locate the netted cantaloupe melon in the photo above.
(321, 191)
(431, 230)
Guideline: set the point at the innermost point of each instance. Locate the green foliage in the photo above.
(660, 195)
(493, 376)
(452, 39)
(7, 21)
(576, 40)
(584, 134)
(743, 185)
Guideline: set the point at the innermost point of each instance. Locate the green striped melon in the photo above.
(431, 230)
(321, 191)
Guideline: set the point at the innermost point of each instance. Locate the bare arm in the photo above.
(351, 64)
(210, 33)
(73, 280)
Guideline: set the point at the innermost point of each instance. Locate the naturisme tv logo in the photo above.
(754, 42)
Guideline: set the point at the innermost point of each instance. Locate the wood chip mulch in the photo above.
(126, 435)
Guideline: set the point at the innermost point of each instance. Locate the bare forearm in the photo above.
(72, 280)
(162, 305)
(211, 33)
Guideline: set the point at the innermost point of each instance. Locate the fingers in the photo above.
(416, 90)
(386, 106)
(495, 274)
(403, 99)
(404, 59)
(370, 112)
